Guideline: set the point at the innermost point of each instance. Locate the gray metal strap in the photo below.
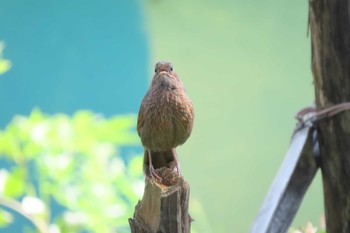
(287, 191)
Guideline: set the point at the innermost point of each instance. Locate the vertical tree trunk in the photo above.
(330, 34)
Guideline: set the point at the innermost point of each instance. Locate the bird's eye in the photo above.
(155, 70)
(171, 68)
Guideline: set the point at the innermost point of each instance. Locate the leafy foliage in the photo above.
(73, 161)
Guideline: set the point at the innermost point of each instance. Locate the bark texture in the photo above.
(330, 34)
(163, 209)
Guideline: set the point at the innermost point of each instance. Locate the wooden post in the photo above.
(163, 208)
(330, 34)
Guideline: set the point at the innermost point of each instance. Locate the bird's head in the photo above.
(163, 66)
(165, 77)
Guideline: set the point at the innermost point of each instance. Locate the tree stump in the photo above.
(164, 206)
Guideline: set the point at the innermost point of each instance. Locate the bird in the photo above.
(165, 118)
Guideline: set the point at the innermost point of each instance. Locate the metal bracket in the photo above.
(291, 183)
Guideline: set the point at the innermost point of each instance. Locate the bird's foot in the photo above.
(178, 170)
(153, 174)
(176, 161)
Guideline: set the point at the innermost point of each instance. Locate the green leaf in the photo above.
(124, 125)
(36, 116)
(5, 65)
(8, 145)
(135, 166)
(14, 186)
(5, 218)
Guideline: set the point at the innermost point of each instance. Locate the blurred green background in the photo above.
(245, 64)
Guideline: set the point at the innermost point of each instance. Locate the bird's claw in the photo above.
(153, 174)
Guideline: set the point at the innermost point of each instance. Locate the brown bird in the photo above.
(165, 118)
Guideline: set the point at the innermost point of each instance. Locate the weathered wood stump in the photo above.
(164, 206)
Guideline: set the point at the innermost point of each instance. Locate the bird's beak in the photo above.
(163, 74)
